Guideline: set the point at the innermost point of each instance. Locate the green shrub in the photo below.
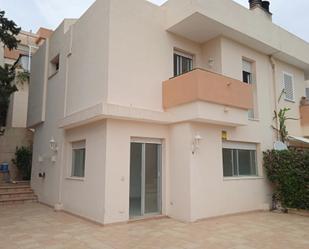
(289, 172)
(23, 161)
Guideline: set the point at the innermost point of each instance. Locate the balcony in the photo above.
(205, 96)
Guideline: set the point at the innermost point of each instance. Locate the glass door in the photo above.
(145, 179)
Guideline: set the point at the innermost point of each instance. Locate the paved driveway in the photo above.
(38, 227)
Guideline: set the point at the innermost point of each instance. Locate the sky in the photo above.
(31, 14)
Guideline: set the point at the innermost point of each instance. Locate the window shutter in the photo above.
(246, 66)
(288, 87)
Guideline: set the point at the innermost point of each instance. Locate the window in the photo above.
(288, 85)
(183, 63)
(54, 65)
(78, 159)
(239, 160)
(247, 77)
(247, 72)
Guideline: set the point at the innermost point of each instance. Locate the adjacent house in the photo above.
(15, 133)
(142, 110)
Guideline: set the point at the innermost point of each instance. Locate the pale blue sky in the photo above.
(31, 14)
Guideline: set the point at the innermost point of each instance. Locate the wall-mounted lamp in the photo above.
(53, 145)
(196, 143)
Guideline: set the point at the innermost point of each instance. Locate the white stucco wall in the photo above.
(85, 197)
(124, 64)
(117, 174)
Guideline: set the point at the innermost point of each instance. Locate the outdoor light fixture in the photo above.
(53, 145)
(196, 143)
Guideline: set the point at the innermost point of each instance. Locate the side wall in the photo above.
(138, 66)
(87, 64)
(85, 197)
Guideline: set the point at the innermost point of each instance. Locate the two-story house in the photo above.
(142, 110)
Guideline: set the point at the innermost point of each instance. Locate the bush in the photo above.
(23, 161)
(289, 172)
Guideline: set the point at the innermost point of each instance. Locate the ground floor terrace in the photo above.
(35, 226)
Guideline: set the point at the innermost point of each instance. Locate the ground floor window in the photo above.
(239, 160)
(78, 159)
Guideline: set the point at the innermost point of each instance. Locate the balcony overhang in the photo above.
(202, 20)
(204, 96)
(202, 85)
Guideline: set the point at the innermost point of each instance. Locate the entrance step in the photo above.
(16, 194)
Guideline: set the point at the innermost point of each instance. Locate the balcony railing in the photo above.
(203, 85)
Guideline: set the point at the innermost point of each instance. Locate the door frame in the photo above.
(145, 141)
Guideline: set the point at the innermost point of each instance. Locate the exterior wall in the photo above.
(38, 85)
(145, 59)
(180, 172)
(85, 197)
(214, 195)
(212, 55)
(123, 65)
(293, 126)
(44, 159)
(87, 63)
(17, 112)
(117, 174)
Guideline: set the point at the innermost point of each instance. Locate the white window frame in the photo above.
(185, 55)
(77, 145)
(293, 87)
(241, 146)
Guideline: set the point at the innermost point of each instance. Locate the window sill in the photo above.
(254, 119)
(290, 100)
(80, 179)
(243, 178)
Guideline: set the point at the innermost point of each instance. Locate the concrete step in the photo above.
(18, 200)
(7, 195)
(14, 188)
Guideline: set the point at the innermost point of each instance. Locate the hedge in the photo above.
(288, 170)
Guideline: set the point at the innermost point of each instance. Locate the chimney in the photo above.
(255, 3)
(264, 5)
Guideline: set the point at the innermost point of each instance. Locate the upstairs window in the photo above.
(247, 77)
(288, 84)
(247, 72)
(183, 63)
(54, 65)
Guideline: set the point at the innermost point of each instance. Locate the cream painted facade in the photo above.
(109, 92)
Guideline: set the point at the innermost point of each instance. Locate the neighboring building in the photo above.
(20, 58)
(163, 109)
(16, 133)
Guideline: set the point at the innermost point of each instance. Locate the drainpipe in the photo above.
(273, 66)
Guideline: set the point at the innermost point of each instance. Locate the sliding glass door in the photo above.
(145, 179)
